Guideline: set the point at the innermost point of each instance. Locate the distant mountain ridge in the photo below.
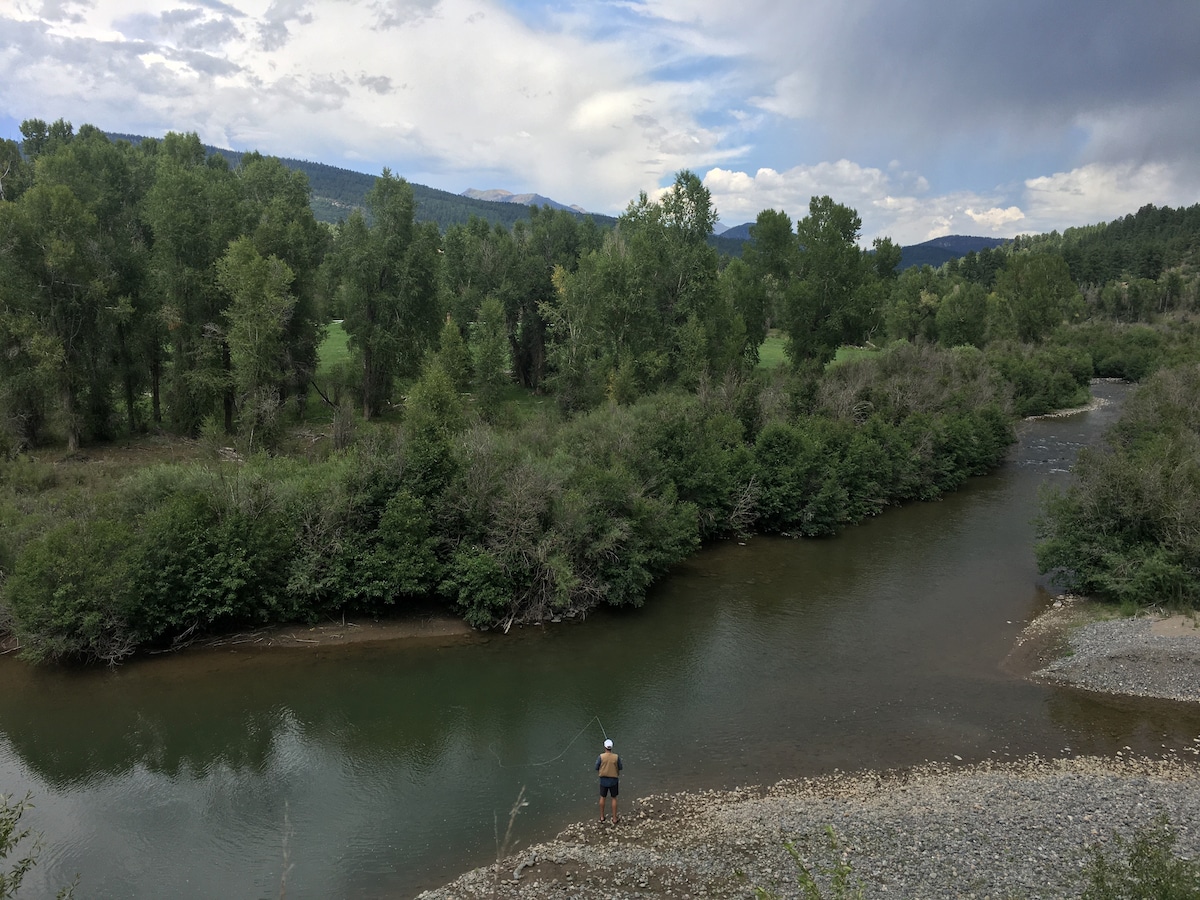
(337, 192)
(934, 252)
(940, 250)
(499, 195)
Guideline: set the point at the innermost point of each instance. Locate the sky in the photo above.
(929, 117)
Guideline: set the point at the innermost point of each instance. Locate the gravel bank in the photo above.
(989, 831)
(1143, 657)
(997, 830)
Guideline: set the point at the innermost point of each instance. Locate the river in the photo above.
(379, 770)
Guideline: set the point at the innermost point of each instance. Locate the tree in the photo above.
(15, 173)
(260, 308)
(56, 256)
(454, 356)
(962, 316)
(772, 254)
(388, 276)
(193, 211)
(913, 304)
(1034, 294)
(825, 306)
(280, 222)
(489, 353)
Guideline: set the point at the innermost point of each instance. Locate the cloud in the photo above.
(928, 117)
(1100, 192)
(995, 218)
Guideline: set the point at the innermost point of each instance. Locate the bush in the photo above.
(71, 593)
(1043, 378)
(1142, 868)
(1127, 529)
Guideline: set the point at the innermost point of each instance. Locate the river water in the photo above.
(377, 771)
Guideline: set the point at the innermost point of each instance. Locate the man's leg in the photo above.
(614, 801)
(602, 807)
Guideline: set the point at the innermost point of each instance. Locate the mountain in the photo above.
(941, 250)
(497, 195)
(738, 232)
(337, 192)
(933, 253)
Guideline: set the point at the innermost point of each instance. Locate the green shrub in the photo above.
(1127, 528)
(72, 593)
(1142, 868)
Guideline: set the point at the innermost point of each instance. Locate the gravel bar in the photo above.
(999, 830)
(992, 831)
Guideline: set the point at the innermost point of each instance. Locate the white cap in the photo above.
(607, 744)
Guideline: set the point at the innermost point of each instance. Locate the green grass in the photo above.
(334, 349)
(773, 354)
(848, 354)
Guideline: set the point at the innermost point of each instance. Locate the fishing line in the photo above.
(547, 762)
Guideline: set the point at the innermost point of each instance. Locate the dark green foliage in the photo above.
(1127, 529)
(72, 592)
(1143, 867)
(1043, 378)
(1131, 352)
(212, 557)
(825, 304)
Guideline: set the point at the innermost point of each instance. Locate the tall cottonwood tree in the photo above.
(646, 308)
(826, 306)
(257, 319)
(61, 273)
(193, 211)
(388, 277)
(1034, 294)
(280, 223)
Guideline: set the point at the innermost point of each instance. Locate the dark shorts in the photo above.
(608, 787)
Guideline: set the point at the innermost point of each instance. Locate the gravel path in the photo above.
(995, 830)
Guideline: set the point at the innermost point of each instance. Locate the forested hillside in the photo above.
(526, 421)
(337, 192)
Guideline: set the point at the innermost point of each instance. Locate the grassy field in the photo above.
(772, 353)
(335, 348)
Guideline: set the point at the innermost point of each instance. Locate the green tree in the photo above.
(1034, 295)
(280, 222)
(15, 173)
(57, 286)
(489, 353)
(454, 356)
(912, 307)
(826, 306)
(193, 211)
(260, 308)
(962, 316)
(388, 277)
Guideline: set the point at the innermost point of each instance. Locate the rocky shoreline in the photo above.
(993, 830)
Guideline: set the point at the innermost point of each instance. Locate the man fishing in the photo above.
(609, 765)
